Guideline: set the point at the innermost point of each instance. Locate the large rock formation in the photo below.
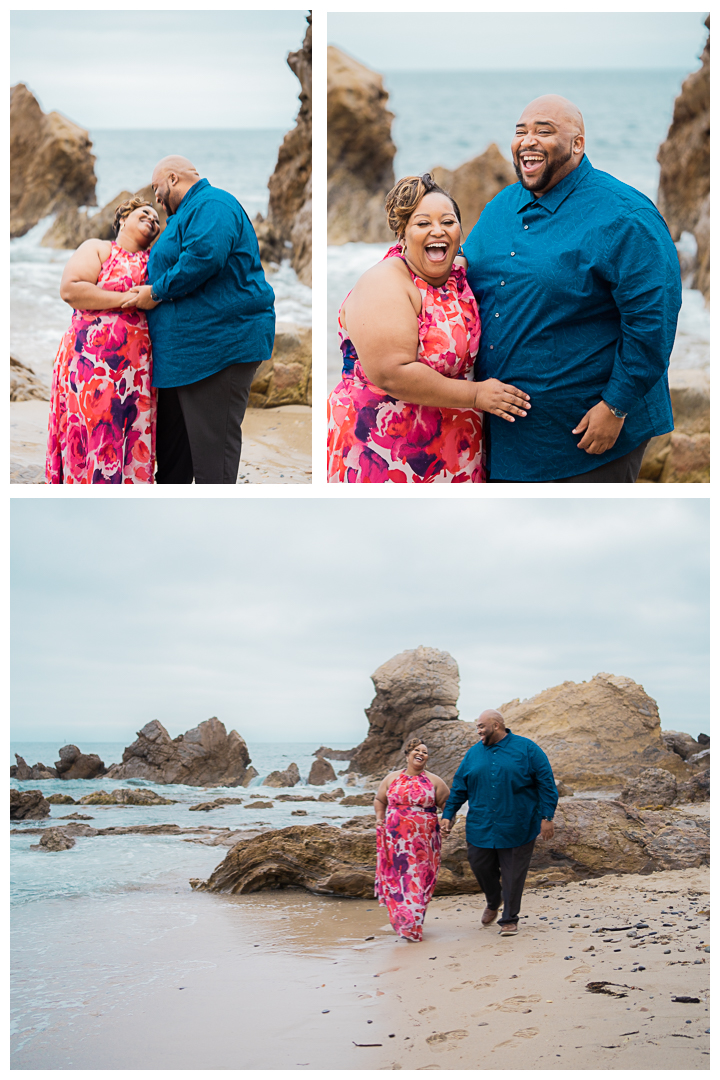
(55, 839)
(683, 455)
(23, 771)
(475, 183)
(592, 837)
(51, 164)
(289, 216)
(25, 385)
(204, 755)
(28, 804)
(684, 189)
(74, 765)
(320, 772)
(125, 797)
(71, 227)
(597, 734)
(283, 777)
(360, 152)
(286, 378)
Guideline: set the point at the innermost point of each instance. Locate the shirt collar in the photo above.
(558, 194)
(191, 192)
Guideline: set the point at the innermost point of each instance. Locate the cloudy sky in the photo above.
(160, 69)
(272, 613)
(491, 41)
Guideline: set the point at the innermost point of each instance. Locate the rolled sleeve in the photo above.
(208, 238)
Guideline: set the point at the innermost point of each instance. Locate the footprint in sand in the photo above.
(539, 957)
(524, 1033)
(515, 1004)
(584, 969)
(468, 982)
(439, 1040)
(427, 1009)
(486, 982)
(453, 967)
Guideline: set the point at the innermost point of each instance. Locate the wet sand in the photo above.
(286, 980)
(276, 444)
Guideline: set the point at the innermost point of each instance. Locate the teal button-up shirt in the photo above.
(509, 789)
(579, 292)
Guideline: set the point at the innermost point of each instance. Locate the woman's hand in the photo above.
(130, 298)
(143, 298)
(501, 399)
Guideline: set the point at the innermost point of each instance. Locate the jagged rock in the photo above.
(125, 797)
(688, 459)
(261, 804)
(592, 837)
(51, 164)
(412, 689)
(23, 771)
(77, 817)
(64, 800)
(71, 226)
(56, 839)
(690, 396)
(702, 757)
(283, 778)
(360, 152)
(335, 755)
(703, 739)
(597, 734)
(679, 742)
(696, 789)
(215, 804)
(684, 188)
(295, 798)
(28, 804)
(289, 217)
(331, 796)
(563, 790)
(651, 790)
(206, 754)
(286, 378)
(476, 182)
(321, 771)
(25, 385)
(298, 813)
(366, 799)
(74, 765)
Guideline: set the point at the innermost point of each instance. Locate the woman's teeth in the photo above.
(436, 252)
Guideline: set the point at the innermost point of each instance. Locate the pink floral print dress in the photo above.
(408, 853)
(102, 408)
(374, 438)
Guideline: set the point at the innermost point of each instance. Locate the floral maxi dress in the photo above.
(374, 438)
(102, 410)
(408, 853)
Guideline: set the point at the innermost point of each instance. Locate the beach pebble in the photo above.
(325, 1011)
(666, 951)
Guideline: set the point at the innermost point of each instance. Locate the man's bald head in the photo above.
(549, 142)
(490, 726)
(172, 178)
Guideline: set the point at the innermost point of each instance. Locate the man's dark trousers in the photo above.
(199, 428)
(623, 470)
(501, 874)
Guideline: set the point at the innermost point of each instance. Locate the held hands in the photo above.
(130, 298)
(501, 399)
(445, 826)
(547, 829)
(142, 298)
(601, 429)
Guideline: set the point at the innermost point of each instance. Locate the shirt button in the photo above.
(497, 314)
(502, 282)
(512, 252)
(492, 346)
(525, 226)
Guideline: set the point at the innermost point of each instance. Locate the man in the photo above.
(212, 322)
(508, 785)
(578, 284)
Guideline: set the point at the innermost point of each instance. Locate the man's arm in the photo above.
(458, 795)
(208, 237)
(547, 790)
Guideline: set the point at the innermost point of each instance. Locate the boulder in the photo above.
(206, 754)
(335, 755)
(51, 164)
(216, 803)
(412, 689)
(295, 798)
(563, 790)
(56, 839)
(289, 219)
(28, 804)
(696, 789)
(360, 152)
(476, 182)
(62, 800)
(321, 771)
(74, 765)
(331, 796)
(703, 739)
(687, 460)
(261, 804)
(125, 797)
(23, 771)
(76, 817)
(684, 187)
(25, 385)
(592, 837)
(690, 396)
(72, 227)
(283, 778)
(286, 378)
(653, 789)
(679, 742)
(365, 799)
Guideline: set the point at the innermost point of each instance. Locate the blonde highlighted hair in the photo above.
(126, 208)
(403, 200)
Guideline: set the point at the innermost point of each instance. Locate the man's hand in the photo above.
(547, 829)
(601, 429)
(143, 299)
(445, 826)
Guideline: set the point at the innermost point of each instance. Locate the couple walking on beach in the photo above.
(508, 784)
(575, 281)
(168, 330)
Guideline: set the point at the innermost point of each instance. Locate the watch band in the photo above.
(616, 412)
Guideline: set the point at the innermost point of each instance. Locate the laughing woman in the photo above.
(405, 411)
(408, 841)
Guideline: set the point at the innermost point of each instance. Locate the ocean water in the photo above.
(447, 118)
(240, 162)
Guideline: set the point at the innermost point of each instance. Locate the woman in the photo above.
(408, 841)
(405, 411)
(102, 411)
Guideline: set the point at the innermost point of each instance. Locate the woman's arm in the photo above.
(79, 287)
(380, 801)
(380, 316)
(441, 792)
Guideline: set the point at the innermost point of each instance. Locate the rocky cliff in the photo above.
(51, 163)
(360, 152)
(72, 226)
(475, 183)
(204, 755)
(684, 189)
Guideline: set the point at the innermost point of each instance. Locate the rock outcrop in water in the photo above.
(51, 163)
(28, 804)
(684, 189)
(125, 797)
(360, 152)
(72, 226)
(320, 772)
(289, 219)
(206, 754)
(74, 765)
(23, 771)
(283, 778)
(475, 183)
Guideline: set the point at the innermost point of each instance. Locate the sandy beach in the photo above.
(276, 444)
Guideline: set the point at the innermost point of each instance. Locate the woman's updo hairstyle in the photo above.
(413, 745)
(404, 199)
(126, 208)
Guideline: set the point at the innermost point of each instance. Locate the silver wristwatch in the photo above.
(616, 412)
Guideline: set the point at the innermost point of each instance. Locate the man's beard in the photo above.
(541, 180)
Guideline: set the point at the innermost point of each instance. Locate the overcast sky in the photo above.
(272, 613)
(160, 69)
(548, 41)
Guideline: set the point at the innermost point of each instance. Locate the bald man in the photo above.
(578, 284)
(211, 315)
(508, 784)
